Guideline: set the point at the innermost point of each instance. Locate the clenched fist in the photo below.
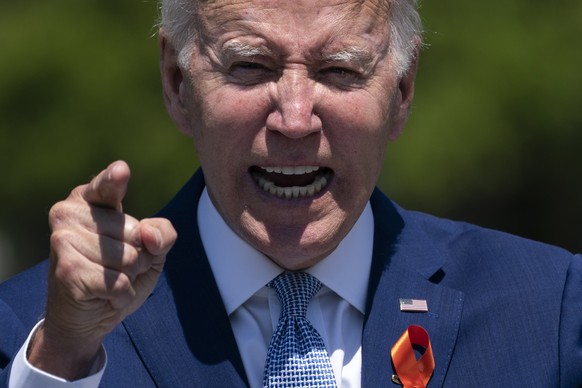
(104, 264)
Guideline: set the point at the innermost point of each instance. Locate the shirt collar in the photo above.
(240, 270)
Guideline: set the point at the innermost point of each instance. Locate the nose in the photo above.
(294, 98)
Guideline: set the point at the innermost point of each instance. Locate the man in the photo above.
(291, 106)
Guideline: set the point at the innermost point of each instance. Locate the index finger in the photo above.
(109, 187)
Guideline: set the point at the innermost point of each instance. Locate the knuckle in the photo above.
(63, 213)
(122, 286)
(65, 269)
(66, 272)
(131, 261)
(60, 242)
(113, 252)
(166, 232)
(122, 257)
(67, 263)
(166, 225)
(58, 213)
(57, 240)
(132, 231)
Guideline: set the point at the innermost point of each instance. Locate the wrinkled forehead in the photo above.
(368, 15)
(373, 6)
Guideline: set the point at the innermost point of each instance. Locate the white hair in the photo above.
(180, 21)
(405, 33)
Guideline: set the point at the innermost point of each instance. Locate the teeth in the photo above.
(311, 190)
(297, 170)
(294, 191)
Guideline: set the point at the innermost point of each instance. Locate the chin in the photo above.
(297, 264)
(294, 256)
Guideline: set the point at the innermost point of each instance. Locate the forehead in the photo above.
(297, 23)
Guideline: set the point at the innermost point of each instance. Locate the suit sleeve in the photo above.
(14, 339)
(25, 375)
(12, 336)
(571, 327)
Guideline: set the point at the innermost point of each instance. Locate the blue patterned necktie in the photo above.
(297, 356)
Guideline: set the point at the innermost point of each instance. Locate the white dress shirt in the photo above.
(336, 312)
(242, 272)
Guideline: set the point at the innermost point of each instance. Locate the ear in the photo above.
(173, 80)
(404, 97)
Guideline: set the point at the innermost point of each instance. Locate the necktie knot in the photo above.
(297, 356)
(295, 290)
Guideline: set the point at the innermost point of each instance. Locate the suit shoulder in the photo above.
(463, 244)
(491, 252)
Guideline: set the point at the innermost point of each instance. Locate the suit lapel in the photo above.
(406, 264)
(182, 332)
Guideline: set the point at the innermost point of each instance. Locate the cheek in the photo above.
(228, 123)
(227, 129)
(362, 128)
(233, 113)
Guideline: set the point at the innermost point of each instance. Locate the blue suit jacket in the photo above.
(504, 311)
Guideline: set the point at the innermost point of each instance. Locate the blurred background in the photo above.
(495, 135)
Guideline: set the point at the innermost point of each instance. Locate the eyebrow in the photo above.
(352, 55)
(237, 49)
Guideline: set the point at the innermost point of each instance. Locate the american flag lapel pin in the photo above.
(413, 305)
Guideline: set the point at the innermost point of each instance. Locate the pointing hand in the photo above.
(104, 264)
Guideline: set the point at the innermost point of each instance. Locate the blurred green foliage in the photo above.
(496, 132)
(494, 136)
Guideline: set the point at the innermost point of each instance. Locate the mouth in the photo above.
(292, 182)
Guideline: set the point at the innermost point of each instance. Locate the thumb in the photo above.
(109, 187)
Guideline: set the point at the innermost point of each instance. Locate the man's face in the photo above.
(291, 105)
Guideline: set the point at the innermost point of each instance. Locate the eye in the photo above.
(249, 73)
(339, 71)
(341, 76)
(247, 66)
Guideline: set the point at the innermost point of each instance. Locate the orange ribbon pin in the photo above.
(411, 372)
